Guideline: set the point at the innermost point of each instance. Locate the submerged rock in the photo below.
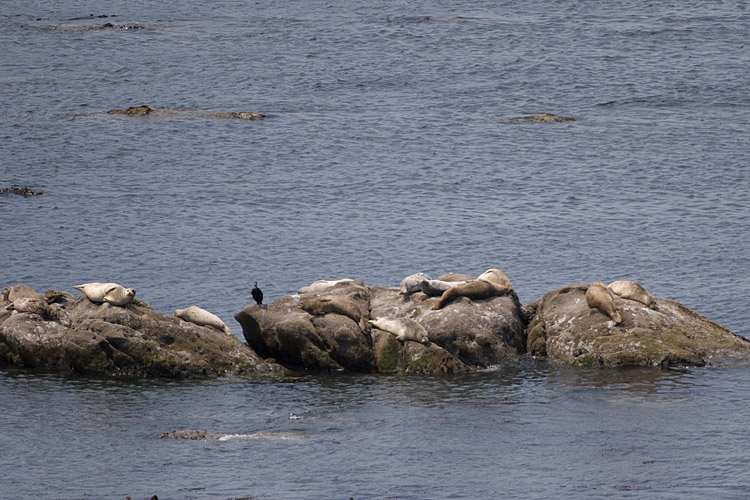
(132, 111)
(80, 336)
(26, 192)
(87, 27)
(536, 118)
(192, 435)
(148, 110)
(564, 328)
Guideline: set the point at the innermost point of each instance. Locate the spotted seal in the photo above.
(33, 305)
(201, 317)
(322, 285)
(599, 297)
(479, 289)
(411, 284)
(632, 290)
(495, 276)
(402, 328)
(332, 304)
(435, 288)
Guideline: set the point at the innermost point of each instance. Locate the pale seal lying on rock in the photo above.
(435, 288)
(599, 297)
(403, 328)
(337, 305)
(456, 277)
(479, 289)
(412, 283)
(107, 292)
(632, 290)
(322, 285)
(195, 314)
(495, 276)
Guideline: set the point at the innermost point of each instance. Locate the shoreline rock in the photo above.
(465, 335)
(565, 329)
(328, 329)
(130, 341)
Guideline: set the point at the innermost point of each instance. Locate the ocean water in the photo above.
(384, 153)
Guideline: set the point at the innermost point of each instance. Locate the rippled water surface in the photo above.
(384, 154)
(516, 433)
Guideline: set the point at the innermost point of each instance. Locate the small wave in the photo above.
(264, 436)
(426, 19)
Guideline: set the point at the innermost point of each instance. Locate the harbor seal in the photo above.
(112, 293)
(201, 317)
(456, 277)
(495, 276)
(411, 284)
(12, 293)
(479, 289)
(632, 290)
(331, 304)
(322, 285)
(33, 305)
(403, 328)
(435, 288)
(599, 297)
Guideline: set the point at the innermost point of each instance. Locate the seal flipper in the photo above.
(107, 298)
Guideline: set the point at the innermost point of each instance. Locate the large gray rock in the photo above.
(565, 329)
(129, 341)
(293, 337)
(464, 335)
(479, 333)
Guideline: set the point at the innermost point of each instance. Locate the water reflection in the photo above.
(647, 380)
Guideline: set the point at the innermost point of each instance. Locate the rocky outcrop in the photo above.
(477, 333)
(328, 328)
(564, 328)
(465, 335)
(76, 335)
(282, 330)
(176, 113)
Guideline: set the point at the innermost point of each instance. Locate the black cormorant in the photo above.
(257, 294)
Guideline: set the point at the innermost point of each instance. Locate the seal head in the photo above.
(632, 290)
